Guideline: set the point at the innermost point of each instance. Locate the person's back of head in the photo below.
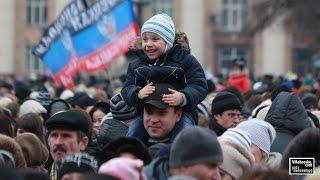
(204, 148)
(305, 144)
(29, 174)
(32, 123)
(6, 125)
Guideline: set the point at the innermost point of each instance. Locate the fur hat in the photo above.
(162, 25)
(35, 152)
(224, 101)
(31, 106)
(204, 147)
(236, 160)
(8, 144)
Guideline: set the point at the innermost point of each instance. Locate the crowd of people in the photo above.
(165, 119)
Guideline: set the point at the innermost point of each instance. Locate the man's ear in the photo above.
(216, 116)
(178, 115)
(83, 143)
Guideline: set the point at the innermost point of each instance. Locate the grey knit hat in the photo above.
(120, 110)
(162, 25)
(195, 145)
(261, 133)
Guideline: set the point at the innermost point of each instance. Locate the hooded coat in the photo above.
(288, 117)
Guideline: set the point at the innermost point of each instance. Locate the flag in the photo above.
(87, 39)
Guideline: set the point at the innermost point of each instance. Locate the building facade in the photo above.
(217, 32)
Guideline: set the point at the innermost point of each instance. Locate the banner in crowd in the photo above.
(87, 39)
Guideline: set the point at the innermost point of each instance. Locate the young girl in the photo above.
(162, 60)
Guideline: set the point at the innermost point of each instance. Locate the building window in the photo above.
(162, 6)
(37, 12)
(33, 63)
(233, 14)
(226, 55)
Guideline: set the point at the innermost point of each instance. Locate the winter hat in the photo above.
(225, 101)
(44, 98)
(236, 158)
(261, 110)
(204, 148)
(202, 109)
(78, 162)
(4, 101)
(66, 94)
(71, 119)
(31, 106)
(260, 132)
(82, 100)
(57, 105)
(238, 136)
(34, 151)
(123, 168)
(128, 145)
(120, 110)
(8, 144)
(162, 25)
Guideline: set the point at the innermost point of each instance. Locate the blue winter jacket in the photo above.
(177, 67)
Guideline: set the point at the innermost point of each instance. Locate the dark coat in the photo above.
(177, 66)
(288, 117)
(158, 169)
(216, 127)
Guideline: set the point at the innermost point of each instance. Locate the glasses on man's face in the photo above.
(232, 115)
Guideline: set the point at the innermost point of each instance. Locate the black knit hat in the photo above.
(204, 148)
(71, 119)
(225, 101)
(78, 162)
